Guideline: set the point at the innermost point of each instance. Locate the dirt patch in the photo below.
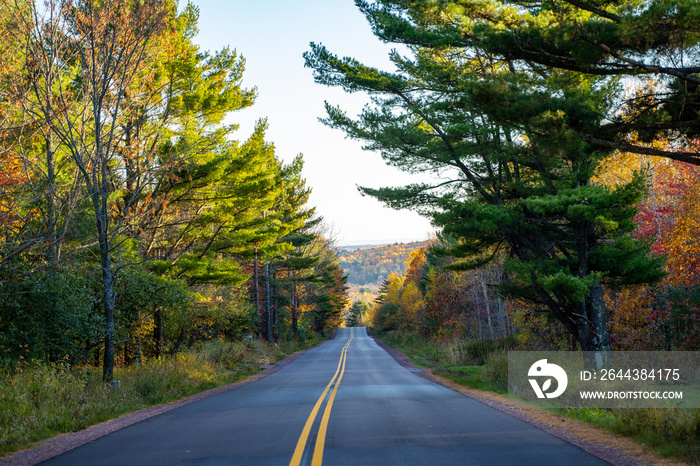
(614, 448)
(55, 446)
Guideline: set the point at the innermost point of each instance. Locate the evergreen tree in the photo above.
(514, 177)
(357, 313)
(638, 40)
(325, 290)
(295, 267)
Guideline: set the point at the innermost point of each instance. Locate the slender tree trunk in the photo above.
(51, 200)
(99, 196)
(158, 332)
(109, 302)
(256, 292)
(487, 304)
(294, 305)
(268, 302)
(138, 348)
(477, 311)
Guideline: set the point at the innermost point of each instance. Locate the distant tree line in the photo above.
(374, 265)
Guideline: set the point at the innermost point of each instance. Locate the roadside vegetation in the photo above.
(42, 400)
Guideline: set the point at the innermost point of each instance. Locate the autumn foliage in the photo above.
(665, 315)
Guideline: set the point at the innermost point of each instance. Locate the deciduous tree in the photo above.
(103, 47)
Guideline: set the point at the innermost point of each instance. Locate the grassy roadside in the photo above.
(42, 401)
(672, 433)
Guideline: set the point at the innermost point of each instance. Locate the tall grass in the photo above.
(673, 432)
(41, 400)
(430, 353)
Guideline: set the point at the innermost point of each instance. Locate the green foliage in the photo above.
(496, 369)
(475, 352)
(357, 314)
(672, 432)
(50, 315)
(387, 317)
(679, 316)
(129, 231)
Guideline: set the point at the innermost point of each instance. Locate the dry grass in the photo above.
(41, 401)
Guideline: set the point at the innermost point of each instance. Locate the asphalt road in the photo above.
(345, 402)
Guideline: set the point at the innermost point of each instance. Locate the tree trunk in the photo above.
(487, 304)
(256, 292)
(51, 201)
(295, 319)
(109, 301)
(108, 294)
(158, 332)
(268, 303)
(593, 330)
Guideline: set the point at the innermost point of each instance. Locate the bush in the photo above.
(387, 317)
(475, 352)
(496, 369)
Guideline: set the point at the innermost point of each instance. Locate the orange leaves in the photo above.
(11, 177)
(671, 216)
(11, 173)
(631, 322)
(682, 243)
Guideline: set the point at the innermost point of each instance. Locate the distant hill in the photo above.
(375, 264)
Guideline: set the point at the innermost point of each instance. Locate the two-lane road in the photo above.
(344, 402)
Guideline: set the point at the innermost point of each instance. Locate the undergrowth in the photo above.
(39, 400)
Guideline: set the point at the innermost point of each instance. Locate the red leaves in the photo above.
(671, 217)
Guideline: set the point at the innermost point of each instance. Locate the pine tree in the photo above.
(295, 267)
(602, 41)
(514, 177)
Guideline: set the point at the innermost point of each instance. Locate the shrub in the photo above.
(496, 369)
(475, 352)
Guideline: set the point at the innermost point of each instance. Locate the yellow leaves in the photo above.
(682, 244)
(411, 303)
(414, 265)
(11, 171)
(393, 292)
(621, 167)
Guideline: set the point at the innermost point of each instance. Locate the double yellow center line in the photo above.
(321, 438)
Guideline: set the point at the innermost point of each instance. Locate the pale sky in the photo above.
(272, 35)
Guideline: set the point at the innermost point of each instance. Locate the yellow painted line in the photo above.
(321, 439)
(301, 444)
